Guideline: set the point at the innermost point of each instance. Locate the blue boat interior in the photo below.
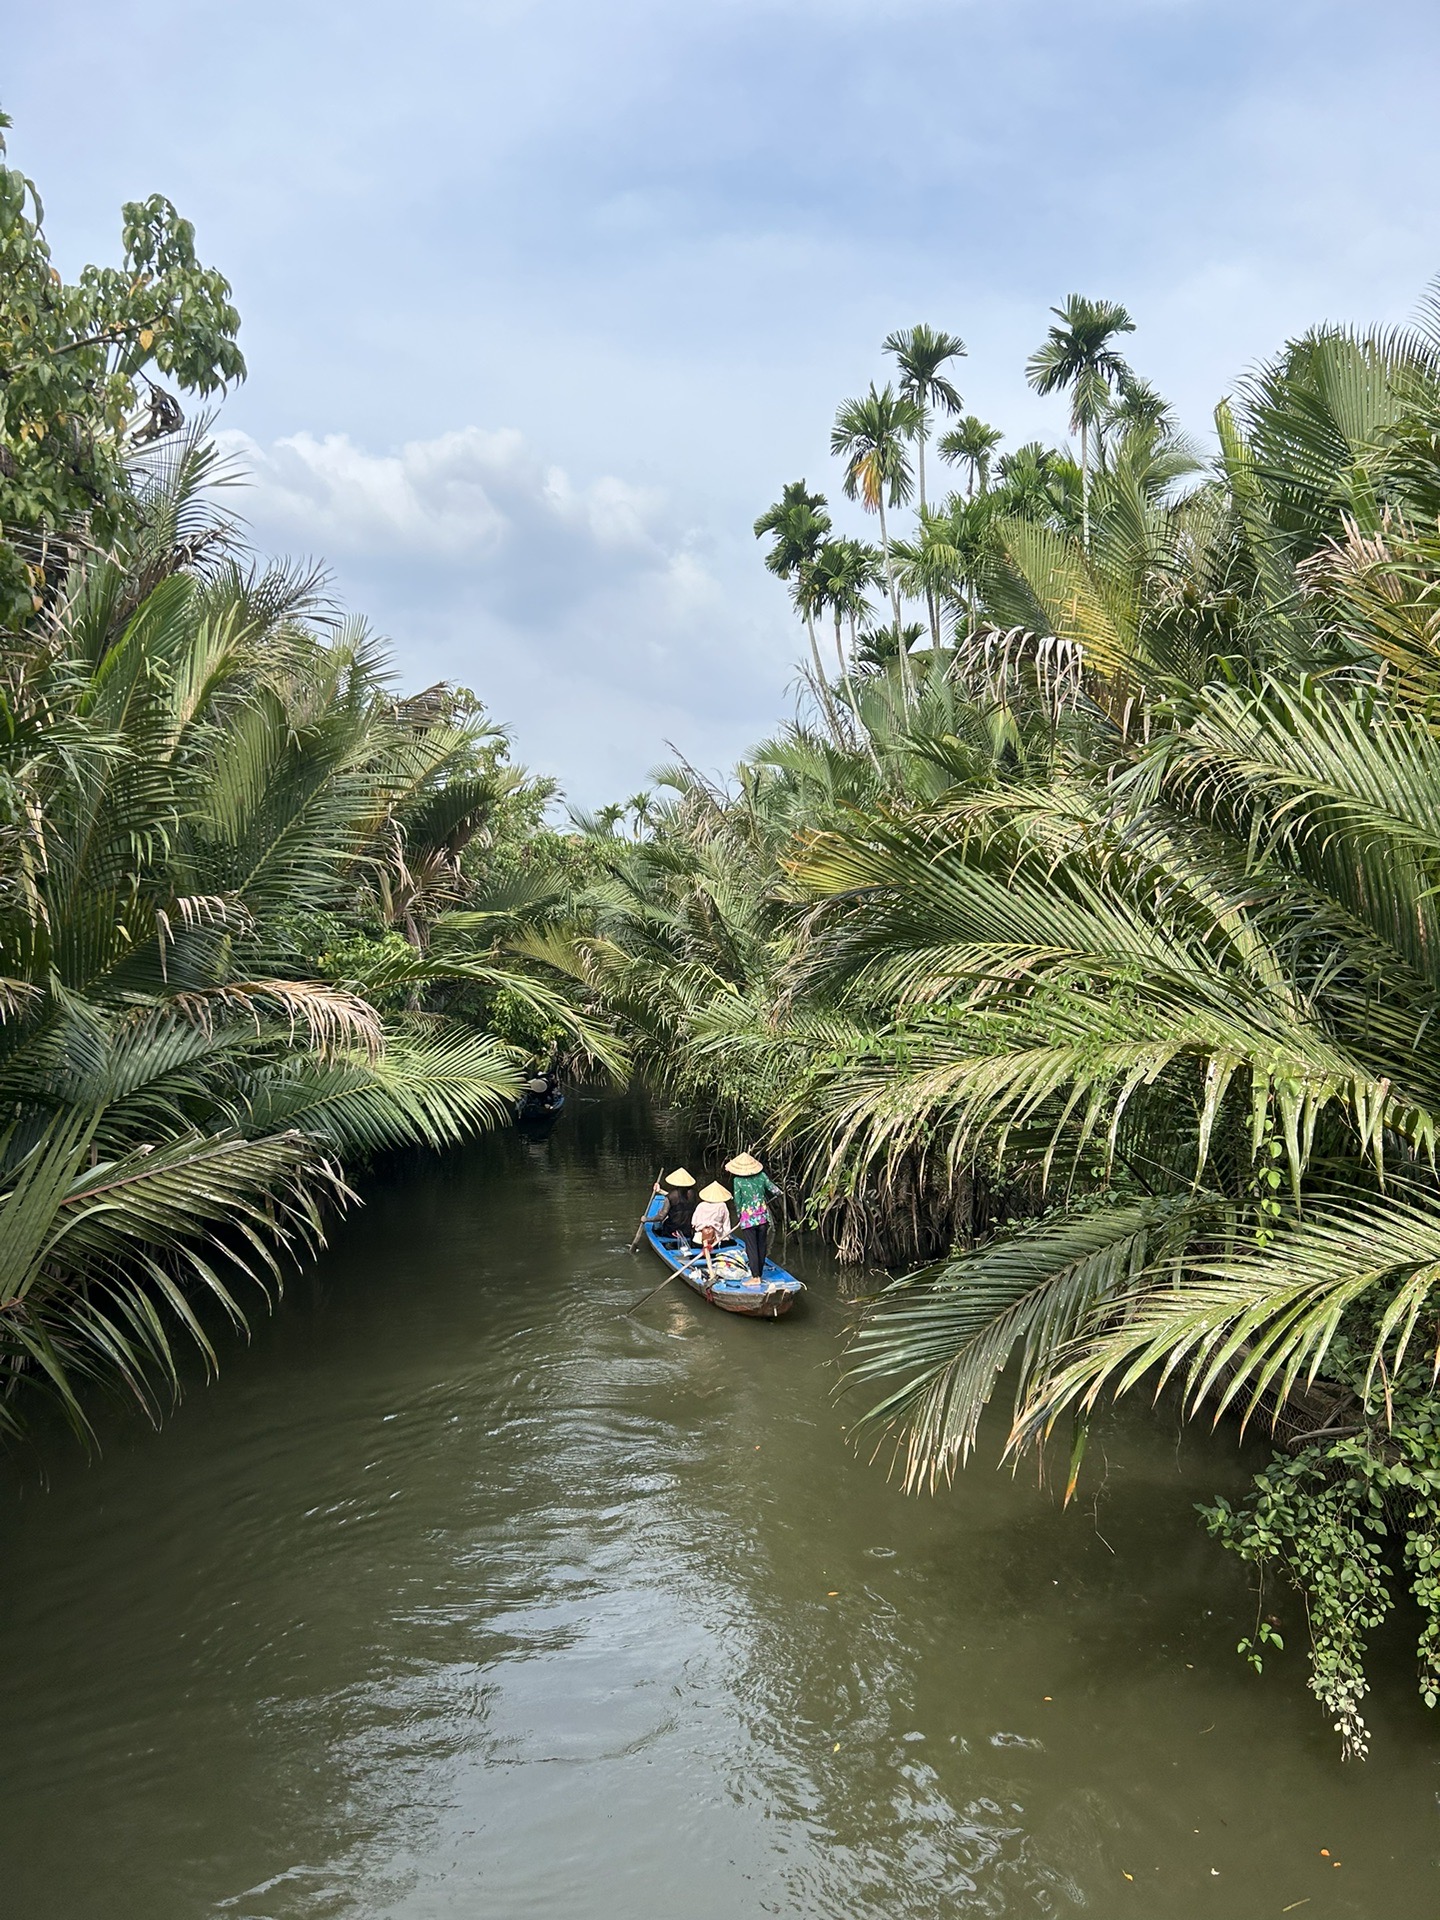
(728, 1263)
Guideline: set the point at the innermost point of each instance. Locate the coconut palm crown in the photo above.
(871, 435)
(971, 443)
(1079, 357)
(920, 352)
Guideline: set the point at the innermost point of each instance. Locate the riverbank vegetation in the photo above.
(250, 896)
(1080, 943)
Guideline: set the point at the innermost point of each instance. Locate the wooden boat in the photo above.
(536, 1116)
(726, 1281)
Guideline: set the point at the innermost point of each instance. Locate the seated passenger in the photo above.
(676, 1214)
(535, 1099)
(711, 1222)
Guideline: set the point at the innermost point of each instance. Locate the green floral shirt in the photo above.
(750, 1192)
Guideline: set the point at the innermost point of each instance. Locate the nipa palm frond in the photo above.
(948, 1333)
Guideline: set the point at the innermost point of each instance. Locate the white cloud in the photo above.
(461, 494)
(588, 614)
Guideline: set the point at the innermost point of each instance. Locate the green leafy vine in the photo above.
(1326, 1517)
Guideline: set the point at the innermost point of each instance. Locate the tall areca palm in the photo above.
(950, 556)
(844, 572)
(797, 523)
(1030, 483)
(971, 443)
(930, 566)
(1139, 404)
(1079, 357)
(920, 352)
(870, 435)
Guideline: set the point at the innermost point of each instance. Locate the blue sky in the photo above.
(544, 301)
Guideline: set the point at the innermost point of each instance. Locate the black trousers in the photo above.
(756, 1239)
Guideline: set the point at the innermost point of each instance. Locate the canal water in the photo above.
(463, 1594)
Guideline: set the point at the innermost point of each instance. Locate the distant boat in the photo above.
(725, 1282)
(538, 1112)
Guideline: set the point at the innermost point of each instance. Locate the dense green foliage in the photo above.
(1327, 1515)
(76, 388)
(253, 905)
(1094, 950)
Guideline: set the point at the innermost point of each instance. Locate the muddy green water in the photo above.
(464, 1595)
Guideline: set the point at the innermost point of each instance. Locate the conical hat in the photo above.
(537, 1086)
(681, 1177)
(744, 1163)
(714, 1191)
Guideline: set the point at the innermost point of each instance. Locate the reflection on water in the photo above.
(464, 1594)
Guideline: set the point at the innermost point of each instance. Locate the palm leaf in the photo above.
(948, 1333)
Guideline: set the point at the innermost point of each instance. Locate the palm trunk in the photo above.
(844, 666)
(930, 599)
(1085, 484)
(864, 731)
(841, 661)
(822, 685)
(894, 604)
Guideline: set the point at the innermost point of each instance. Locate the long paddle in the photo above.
(784, 1212)
(674, 1274)
(640, 1230)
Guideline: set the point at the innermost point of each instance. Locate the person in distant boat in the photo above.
(752, 1186)
(537, 1100)
(711, 1224)
(676, 1217)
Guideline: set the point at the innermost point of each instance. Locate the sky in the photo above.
(545, 300)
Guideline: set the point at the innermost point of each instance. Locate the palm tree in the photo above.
(949, 558)
(641, 808)
(972, 443)
(1139, 404)
(930, 566)
(1078, 356)
(197, 773)
(1199, 948)
(870, 435)
(920, 352)
(844, 572)
(797, 523)
(1031, 484)
(1110, 968)
(878, 646)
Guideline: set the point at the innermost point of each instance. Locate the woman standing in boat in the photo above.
(752, 1185)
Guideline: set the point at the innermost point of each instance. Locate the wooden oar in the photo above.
(674, 1274)
(783, 1209)
(640, 1230)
